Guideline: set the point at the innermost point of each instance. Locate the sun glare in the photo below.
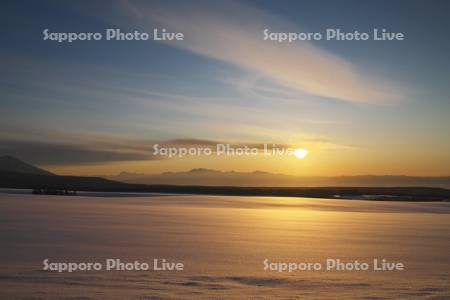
(300, 153)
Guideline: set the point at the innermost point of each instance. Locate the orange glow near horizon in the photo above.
(319, 163)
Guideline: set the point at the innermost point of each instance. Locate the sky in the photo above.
(97, 107)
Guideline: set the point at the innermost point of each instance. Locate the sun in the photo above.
(301, 153)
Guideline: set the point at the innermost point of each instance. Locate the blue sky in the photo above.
(381, 104)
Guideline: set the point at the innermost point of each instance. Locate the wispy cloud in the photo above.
(233, 33)
(61, 154)
(45, 147)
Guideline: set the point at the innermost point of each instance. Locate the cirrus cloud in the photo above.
(233, 33)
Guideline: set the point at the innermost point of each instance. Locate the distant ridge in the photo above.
(96, 184)
(11, 164)
(209, 177)
(15, 173)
